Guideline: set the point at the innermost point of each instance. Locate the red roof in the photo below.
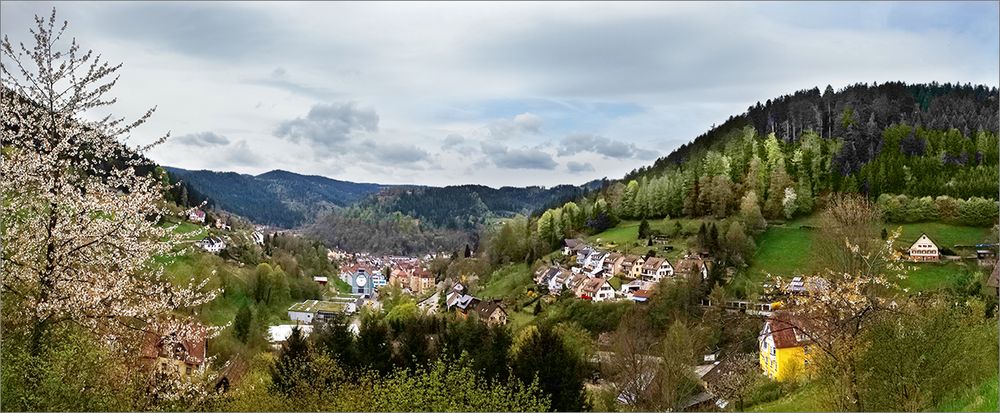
(191, 351)
(783, 330)
(643, 293)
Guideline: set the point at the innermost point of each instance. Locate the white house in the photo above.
(258, 237)
(597, 289)
(212, 244)
(596, 259)
(923, 249)
(655, 269)
(631, 287)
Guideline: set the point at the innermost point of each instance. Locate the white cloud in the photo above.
(248, 70)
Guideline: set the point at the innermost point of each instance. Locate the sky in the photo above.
(500, 94)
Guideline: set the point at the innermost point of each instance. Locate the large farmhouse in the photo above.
(923, 249)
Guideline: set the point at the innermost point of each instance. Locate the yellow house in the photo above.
(784, 349)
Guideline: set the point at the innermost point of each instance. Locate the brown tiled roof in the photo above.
(783, 329)
(643, 293)
(193, 349)
(690, 264)
(486, 308)
(652, 263)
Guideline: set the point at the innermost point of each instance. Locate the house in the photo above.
(596, 289)
(212, 244)
(693, 264)
(459, 301)
(378, 280)
(277, 335)
(320, 280)
(656, 269)
(196, 215)
(613, 264)
(421, 280)
(582, 254)
(186, 354)
(573, 245)
(549, 277)
(596, 261)
(574, 281)
(309, 310)
(632, 266)
(492, 313)
(631, 287)
(784, 347)
(220, 224)
(558, 281)
(923, 249)
(642, 296)
(258, 237)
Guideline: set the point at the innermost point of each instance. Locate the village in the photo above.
(580, 270)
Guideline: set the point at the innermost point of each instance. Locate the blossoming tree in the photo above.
(80, 210)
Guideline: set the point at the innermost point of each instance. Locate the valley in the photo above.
(829, 249)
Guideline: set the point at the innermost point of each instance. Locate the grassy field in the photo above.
(932, 276)
(624, 237)
(784, 251)
(978, 399)
(805, 399)
(510, 281)
(945, 235)
(787, 250)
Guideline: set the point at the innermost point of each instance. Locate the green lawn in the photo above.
(979, 399)
(945, 235)
(932, 276)
(784, 251)
(510, 281)
(805, 399)
(624, 237)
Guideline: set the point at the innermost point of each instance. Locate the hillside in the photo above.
(466, 207)
(287, 199)
(278, 198)
(856, 114)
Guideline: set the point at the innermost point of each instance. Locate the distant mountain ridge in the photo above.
(287, 199)
(279, 198)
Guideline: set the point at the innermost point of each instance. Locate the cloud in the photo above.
(240, 154)
(524, 123)
(329, 126)
(390, 154)
(202, 139)
(576, 167)
(279, 79)
(453, 140)
(581, 142)
(517, 158)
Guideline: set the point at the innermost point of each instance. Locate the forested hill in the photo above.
(278, 198)
(466, 207)
(922, 152)
(856, 115)
(287, 199)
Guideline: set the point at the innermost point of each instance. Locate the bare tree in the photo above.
(741, 373)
